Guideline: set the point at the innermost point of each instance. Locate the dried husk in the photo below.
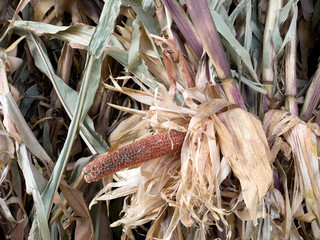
(303, 142)
(186, 188)
(245, 146)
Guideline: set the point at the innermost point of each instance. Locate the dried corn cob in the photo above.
(132, 154)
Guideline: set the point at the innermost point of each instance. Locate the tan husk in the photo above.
(303, 142)
(186, 188)
(245, 146)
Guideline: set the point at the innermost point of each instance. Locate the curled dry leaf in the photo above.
(11, 127)
(4, 90)
(244, 144)
(303, 142)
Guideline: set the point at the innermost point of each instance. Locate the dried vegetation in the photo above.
(79, 77)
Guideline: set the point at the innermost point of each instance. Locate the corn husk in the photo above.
(302, 139)
(188, 184)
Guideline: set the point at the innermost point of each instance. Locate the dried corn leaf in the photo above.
(78, 35)
(34, 185)
(243, 143)
(200, 163)
(141, 96)
(303, 142)
(84, 227)
(14, 120)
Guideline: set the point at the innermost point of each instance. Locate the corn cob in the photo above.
(132, 154)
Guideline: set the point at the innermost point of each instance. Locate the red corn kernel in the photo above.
(132, 154)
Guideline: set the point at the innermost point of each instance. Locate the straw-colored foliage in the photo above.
(237, 78)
